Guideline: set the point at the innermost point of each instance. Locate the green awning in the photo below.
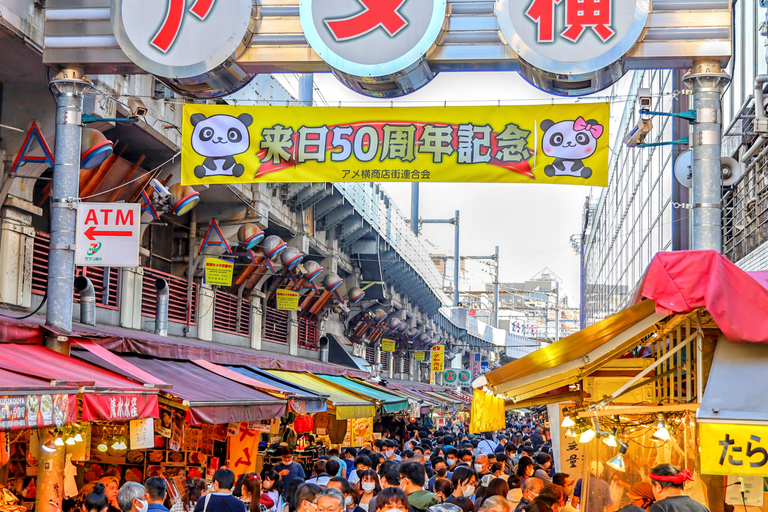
(347, 405)
(389, 402)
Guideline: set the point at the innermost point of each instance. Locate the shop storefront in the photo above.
(675, 371)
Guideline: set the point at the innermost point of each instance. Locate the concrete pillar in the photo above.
(377, 358)
(413, 367)
(131, 284)
(257, 315)
(205, 300)
(17, 240)
(293, 333)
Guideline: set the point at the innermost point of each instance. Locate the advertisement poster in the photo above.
(387, 345)
(420, 356)
(219, 272)
(563, 144)
(36, 411)
(287, 300)
(359, 430)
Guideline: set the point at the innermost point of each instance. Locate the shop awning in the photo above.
(102, 390)
(299, 399)
(416, 394)
(346, 404)
(726, 398)
(682, 281)
(211, 399)
(570, 359)
(390, 403)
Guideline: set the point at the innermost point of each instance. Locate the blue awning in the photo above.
(312, 402)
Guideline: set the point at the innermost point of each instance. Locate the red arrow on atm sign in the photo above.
(91, 233)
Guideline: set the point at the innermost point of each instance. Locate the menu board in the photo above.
(35, 411)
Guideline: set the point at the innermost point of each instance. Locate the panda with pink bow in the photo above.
(570, 143)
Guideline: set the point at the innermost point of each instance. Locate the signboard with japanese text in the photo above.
(287, 300)
(450, 376)
(387, 345)
(142, 433)
(729, 449)
(107, 234)
(474, 363)
(37, 411)
(572, 455)
(419, 355)
(219, 272)
(119, 407)
(465, 376)
(437, 358)
(564, 144)
(242, 449)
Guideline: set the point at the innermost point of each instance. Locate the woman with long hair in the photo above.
(496, 487)
(525, 469)
(369, 488)
(250, 492)
(272, 486)
(193, 491)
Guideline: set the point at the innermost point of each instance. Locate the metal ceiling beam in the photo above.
(293, 190)
(327, 205)
(311, 196)
(349, 241)
(350, 225)
(336, 216)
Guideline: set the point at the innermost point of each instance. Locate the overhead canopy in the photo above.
(211, 399)
(682, 281)
(16, 384)
(419, 396)
(313, 402)
(346, 404)
(570, 359)
(726, 398)
(389, 402)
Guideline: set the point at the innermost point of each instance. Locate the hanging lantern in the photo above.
(332, 282)
(291, 257)
(394, 323)
(355, 295)
(95, 148)
(273, 245)
(249, 236)
(183, 199)
(379, 316)
(314, 270)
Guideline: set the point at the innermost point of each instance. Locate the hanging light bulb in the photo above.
(587, 435)
(59, 439)
(78, 437)
(49, 445)
(102, 446)
(617, 462)
(115, 443)
(571, 432)
(123, 446)
(610, 439)
(662, 428)
(567, 422)
(69, 437)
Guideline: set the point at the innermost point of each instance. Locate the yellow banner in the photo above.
(219, 272)
(566, 144)
(420, 356)
(728, 449)
(437, 358)
(387, 345)
(487, 413)
(287, 300)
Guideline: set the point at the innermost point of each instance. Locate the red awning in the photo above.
(683, 281)
(211, 399)
(33, 367)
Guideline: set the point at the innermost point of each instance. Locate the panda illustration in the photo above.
(570, 142)
(219, 138)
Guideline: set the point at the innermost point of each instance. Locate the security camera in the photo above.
(644, 99)
(138, 108)
(638, 133)
(160, 189)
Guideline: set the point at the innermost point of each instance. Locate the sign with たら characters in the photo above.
(729, 449)
(565, 144)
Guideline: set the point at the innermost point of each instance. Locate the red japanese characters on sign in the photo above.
(119, 407)
(375, 13)
(169, 30)
(579, 15)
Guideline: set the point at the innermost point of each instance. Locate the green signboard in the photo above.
(450, 376)
(465, 376)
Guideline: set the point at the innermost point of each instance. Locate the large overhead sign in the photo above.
(566, 144)
(384, 48)
(580, 39)
(376, 47)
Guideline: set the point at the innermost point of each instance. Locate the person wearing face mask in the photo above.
(221, 499)
(132, 497)
(531, 490)
(464, 481)
(272, 487)
(287, 468)
(525, 469)
(389, 451)
(441, 471)
(451, 458)
(481, 465)
(369, 488)
(412, 480)
(349, 492)
(543, 465)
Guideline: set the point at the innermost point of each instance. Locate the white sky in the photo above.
(531, 224)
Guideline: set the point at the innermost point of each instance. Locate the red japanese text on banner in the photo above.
(120, 407)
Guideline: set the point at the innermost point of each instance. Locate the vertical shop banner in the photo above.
(474, 363)
(571, 454)
(563, 144)
(387, 345)
(437, 358)
(242, 450)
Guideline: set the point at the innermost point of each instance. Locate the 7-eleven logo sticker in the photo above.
(174, 15)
